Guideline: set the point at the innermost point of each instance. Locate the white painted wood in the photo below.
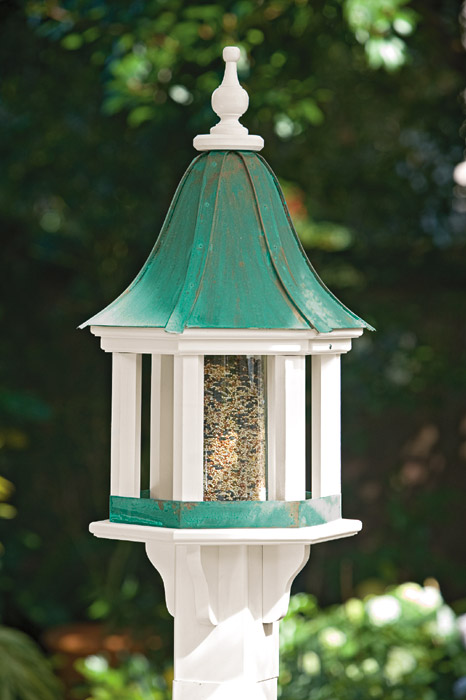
(161, 431)
(326, 426)
(287, 427)
(255, 580)
(126, 425)
(162, 557)
(226, 601)
(281, 564)
(229, 101)
(225, 347)
(272, 420)
(225, 341)
(237, 651)
(188, 427)
(204, 566)
(234, 690)
(205, 603)
(229, 334)
(320, 346)
(343, 527)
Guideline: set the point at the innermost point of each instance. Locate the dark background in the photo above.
(361, 110)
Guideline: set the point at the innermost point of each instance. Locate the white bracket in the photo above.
(204, 600)
(162, 557)
(281, 565)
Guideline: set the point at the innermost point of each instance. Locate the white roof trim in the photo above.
(210, 341)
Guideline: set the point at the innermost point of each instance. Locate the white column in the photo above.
(236, 656)
(271, 430)
(161, 427)
(188, 427)
(326, 426)
(286, 427)
(126, 425)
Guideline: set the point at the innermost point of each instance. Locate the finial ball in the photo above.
(231, 53)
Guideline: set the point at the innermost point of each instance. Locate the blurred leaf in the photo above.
(7, 511)
(24, 672)
(371, 648)
(140, 114)
(390, 53)
(311, 112)
(135, 679)
(23, 405)
(73, 41)
(6, 489)
(375, 23)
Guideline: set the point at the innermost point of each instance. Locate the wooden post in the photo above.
(188, 428)
(126, 425)
(161, 431)
(286, 427)
(326, 458)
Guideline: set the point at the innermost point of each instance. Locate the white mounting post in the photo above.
(229, 101)
(227, 604)
(227, 590)
(326, 426)
(126, 425)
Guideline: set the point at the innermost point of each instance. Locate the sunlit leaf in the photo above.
(7, 511)
(140, 114)
(311, 111)
(72, 42)
(6, 489)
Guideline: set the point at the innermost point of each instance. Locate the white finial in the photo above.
(229, 102)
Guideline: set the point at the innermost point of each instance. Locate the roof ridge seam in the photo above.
(303, 252)
(178, 318)
(256, 202)
(155, 247)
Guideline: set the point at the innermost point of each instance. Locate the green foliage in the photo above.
(134, 679)
(380, 25)
(25, 673)
(402, 645)
(142, 47)
(6, 490)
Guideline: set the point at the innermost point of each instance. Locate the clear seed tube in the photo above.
(235, 452)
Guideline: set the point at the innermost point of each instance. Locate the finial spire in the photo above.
(229, 101)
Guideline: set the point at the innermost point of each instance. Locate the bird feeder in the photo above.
(228, 307)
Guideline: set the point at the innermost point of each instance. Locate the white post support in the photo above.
(126, 425)
(326, 426)
(188, 427)
(161, 427)
(287, 427)
(227, 590)
(235, 655)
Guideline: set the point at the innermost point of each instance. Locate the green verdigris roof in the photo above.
(228, 257)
